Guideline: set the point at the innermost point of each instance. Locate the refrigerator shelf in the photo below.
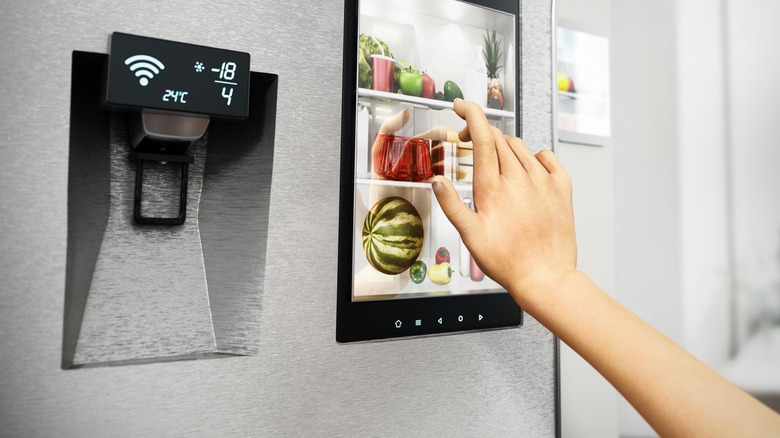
(573, 96)
(429, 103)
(459, 186)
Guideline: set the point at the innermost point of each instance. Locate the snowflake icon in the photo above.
(198, 67)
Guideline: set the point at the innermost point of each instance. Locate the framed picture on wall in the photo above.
(583, 85)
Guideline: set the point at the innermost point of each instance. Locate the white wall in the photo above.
(588, 401)
(703, 180)
(644, 122)
(697, 217)
(753, 96)
(754, 115)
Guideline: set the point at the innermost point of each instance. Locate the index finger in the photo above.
(480, 132)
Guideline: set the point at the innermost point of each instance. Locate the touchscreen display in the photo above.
(414, 59)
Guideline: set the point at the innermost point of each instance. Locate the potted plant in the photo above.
(493, 54)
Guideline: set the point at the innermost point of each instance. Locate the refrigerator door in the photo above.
(301, 382)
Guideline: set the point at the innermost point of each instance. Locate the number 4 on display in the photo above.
(227, 95)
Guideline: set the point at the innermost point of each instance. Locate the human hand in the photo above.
(522, 232)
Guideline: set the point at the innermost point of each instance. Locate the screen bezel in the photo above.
(379, 319)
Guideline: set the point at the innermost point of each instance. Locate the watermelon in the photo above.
(392, 235)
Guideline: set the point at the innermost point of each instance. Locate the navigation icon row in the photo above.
(419, 322)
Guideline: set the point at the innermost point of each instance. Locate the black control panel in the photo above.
(171, 76)
(468, 319)
(391, 319)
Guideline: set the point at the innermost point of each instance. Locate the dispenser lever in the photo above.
(139, 158)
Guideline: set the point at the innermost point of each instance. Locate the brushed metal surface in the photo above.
(301, 382)
(148, 296)
(234, 208)
(138, 293)
(537, 75)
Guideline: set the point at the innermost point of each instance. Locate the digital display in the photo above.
(412, 63)
(166, 75)
(403, 267)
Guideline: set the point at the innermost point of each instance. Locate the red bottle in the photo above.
(476, 273)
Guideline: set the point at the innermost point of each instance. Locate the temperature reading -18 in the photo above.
(227, 94)
(227, 71)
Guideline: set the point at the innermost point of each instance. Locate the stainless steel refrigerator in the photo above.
(271, 364)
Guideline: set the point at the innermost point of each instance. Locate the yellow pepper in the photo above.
(440, 273)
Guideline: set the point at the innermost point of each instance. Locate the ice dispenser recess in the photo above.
(170, 165)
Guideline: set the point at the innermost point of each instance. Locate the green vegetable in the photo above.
(417, 271)
(392, 235)
(410, 80)
(440, 273)
(438, 96)
(452, 91)
(368, 47)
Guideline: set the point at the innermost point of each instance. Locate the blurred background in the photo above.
(685, 171)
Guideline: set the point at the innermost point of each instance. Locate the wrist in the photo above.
(535, 290)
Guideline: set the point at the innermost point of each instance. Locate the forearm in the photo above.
(677, 394)
(522, 234)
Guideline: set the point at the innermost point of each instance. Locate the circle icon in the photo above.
(460, 318)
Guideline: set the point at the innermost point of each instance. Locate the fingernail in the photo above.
(457, 99)
(438, 187)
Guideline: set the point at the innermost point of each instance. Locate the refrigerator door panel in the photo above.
(301, 381)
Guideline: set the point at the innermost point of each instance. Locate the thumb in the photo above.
(461, 216)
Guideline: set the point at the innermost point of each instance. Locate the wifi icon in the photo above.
(145, 67)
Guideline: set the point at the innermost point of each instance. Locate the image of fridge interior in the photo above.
(414, 59)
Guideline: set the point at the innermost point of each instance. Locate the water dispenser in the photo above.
(169, 180)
